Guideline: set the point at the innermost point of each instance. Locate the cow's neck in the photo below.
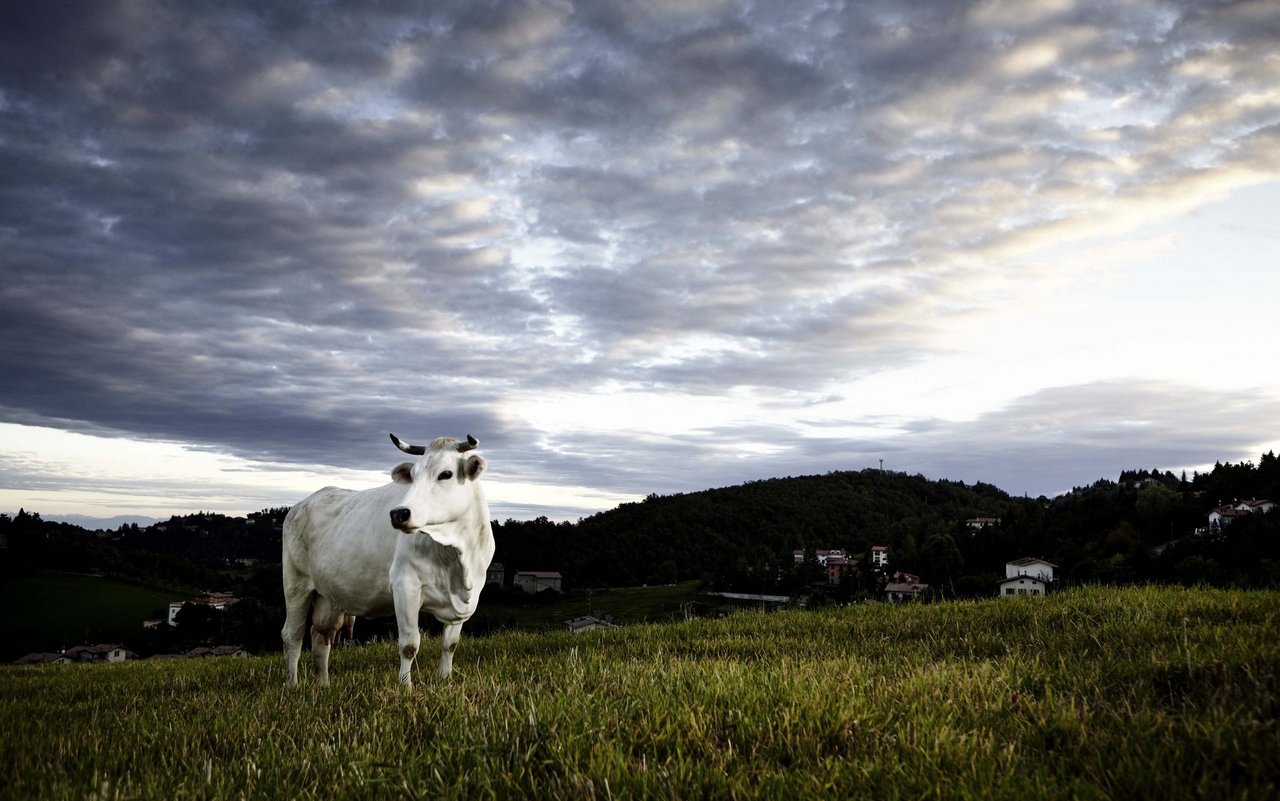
(472, 536)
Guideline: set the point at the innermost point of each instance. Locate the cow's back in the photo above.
(310, 520)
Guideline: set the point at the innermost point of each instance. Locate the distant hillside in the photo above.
(716, 533)
(1149, 526)
(76, 610)
(89, 523)
(1140, 528)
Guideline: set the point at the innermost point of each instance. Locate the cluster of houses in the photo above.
(80, 654)
(896, 586)
(1226, 514)
(111, 652)
(839, 564)
(531, 581)
(1027, 576)
(213, 600)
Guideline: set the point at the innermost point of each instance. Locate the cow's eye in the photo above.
(445, 476)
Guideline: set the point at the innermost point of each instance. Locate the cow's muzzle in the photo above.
(400, 517)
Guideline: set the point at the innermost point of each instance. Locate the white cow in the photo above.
(421, 542)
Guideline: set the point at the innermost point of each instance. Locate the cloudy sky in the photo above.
(632, 247)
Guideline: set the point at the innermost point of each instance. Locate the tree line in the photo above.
(1141, 527)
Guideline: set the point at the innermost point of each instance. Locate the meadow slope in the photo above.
(1091, 693)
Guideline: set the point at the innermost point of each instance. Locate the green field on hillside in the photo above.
(67, 607)
(627, 605)
(1090, 693)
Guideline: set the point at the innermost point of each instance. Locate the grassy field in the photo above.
(1090, 693)
(626, 604)
(68, 606)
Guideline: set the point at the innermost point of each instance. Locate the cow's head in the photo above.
(440, 486)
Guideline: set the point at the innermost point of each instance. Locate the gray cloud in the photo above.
(283, 230)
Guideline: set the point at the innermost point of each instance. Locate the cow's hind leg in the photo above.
(408, 600)
(326, 620)
(449, 642)
(297, 604)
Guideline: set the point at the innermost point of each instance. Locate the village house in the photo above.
(535, 581)
(99, 653)
(879, 555)
(1022, 585)
(823, 556)
(1026, 576)
(1225, 515)
(496, 574)
(899, 591)
(1255, 505)
(1030, 566)
(979, 523)
(838, 567)
(1228, 513)
(833, 560)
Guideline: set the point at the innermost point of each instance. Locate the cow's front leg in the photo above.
(408, 600)
(449, 642)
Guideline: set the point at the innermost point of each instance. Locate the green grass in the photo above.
(626, 604)
(1091, 693)
(68, 606)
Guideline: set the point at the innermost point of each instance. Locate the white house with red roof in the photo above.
(1228, 513)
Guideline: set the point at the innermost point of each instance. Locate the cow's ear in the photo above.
(403, 473)
(475, 466)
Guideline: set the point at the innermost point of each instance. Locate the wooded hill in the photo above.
(1138, 528)
(1104, 532)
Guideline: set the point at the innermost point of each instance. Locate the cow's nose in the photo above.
(399, 516)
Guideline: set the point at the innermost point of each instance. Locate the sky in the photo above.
(632, 247)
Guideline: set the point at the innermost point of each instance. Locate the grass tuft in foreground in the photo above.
(1091, 693)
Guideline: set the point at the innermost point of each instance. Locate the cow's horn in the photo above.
(412, 450)
(470, 444)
